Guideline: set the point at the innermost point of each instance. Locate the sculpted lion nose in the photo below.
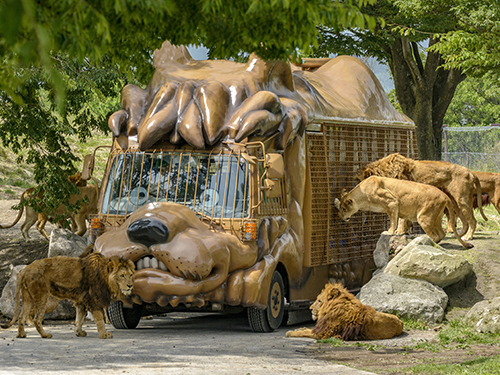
(147, 232)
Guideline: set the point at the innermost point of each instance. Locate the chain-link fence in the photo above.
(477, 148)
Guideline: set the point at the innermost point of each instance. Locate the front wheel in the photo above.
(122, 317)
(271, 317)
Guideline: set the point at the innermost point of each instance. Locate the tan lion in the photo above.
(91, 282)
(456, 181)
(339, 314)
(78, 219)
(490, 184)
(407, 200)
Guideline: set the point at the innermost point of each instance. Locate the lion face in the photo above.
(121, 275)
(178, 259)
(323, 302)
(346, 207)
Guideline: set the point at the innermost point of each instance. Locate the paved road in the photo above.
(173, 344)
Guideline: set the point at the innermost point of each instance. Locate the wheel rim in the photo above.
(276, 299)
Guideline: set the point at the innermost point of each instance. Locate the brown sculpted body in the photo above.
(78, 219)
(339, 314)
(91, 282)
(457, 181)
(407, 200)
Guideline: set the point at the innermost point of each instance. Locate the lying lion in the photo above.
(457, 181)
(339, 314)
(78, 219)
(91, 282)
(408, 200)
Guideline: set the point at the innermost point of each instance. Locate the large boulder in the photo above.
(416, 299)
(64, 311)
(424, 260)
(388, 245)
(65, 242)
(485, 315)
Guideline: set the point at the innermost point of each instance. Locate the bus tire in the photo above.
(124, 318)
(271, 317)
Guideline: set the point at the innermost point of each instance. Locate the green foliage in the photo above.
(476, 102)
(459, 331)
(475, 46)
(410, 323)
(477, 366)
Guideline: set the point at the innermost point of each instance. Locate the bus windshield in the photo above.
(215, 185)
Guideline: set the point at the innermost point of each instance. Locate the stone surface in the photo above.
(387, 246)
(486, 315)
(64, 311)
(65, 242)
(424, 260)
(416, 299)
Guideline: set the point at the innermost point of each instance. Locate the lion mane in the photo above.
(458, 182)
(78, 219)
(91, 282)
(340, 314)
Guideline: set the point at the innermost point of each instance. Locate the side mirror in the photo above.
(275, 166)
(88, 167)
(272, 188)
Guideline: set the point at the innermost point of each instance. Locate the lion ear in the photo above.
(131, 264)
(334, 293)
(112, 263)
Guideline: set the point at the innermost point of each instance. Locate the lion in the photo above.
(339, 314)
(456, 181)
(490, 185)
(407, 200)
(91, 282)
(78, 219)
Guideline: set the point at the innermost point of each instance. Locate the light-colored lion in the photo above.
(458, 182)
(407, 200)
(490, 184)
(91, 282)
(78, 219)
(339, 314)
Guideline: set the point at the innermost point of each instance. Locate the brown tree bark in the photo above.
(424, 91)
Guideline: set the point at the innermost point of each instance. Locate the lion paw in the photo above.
(21, 335)
(81, 334)
(47, 336)
(105, 335)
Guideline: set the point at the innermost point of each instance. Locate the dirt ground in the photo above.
(381, 357)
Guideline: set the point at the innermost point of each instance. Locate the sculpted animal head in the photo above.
(121, 276)
(203, 102)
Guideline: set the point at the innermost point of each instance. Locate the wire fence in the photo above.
(476, 148)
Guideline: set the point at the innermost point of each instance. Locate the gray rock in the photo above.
(387, 246)
(65, 242)
(64, 311)
(425, 260)
(485, 315)
(416, 299)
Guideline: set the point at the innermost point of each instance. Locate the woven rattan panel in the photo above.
(335, 155)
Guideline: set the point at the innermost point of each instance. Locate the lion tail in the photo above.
(20, 213)
(452, 212)
(17, 302)
(479, 197)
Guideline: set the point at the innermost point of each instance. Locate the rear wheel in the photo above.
(271, 317)
(122, 317)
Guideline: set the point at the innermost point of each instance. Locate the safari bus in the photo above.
(221, 179)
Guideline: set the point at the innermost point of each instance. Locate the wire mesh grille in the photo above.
(335, 155)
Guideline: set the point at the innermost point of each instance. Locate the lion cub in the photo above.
(91, 282)
(408, 200)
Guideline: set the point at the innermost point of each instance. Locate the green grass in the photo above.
(477, 366)
(493, 223)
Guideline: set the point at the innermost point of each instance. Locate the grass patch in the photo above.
(493, 223)
(459, 331)
(410, 323)
(477, 366)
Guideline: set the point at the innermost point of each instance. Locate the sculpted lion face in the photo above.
(178, 259)
(121, 275)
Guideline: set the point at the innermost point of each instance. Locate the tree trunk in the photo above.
(424, 92)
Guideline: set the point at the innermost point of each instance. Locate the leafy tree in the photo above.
(475, 47)
(63, 60)
(423, 88)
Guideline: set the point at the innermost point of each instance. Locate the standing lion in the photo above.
(458, 182)
(91, 281)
